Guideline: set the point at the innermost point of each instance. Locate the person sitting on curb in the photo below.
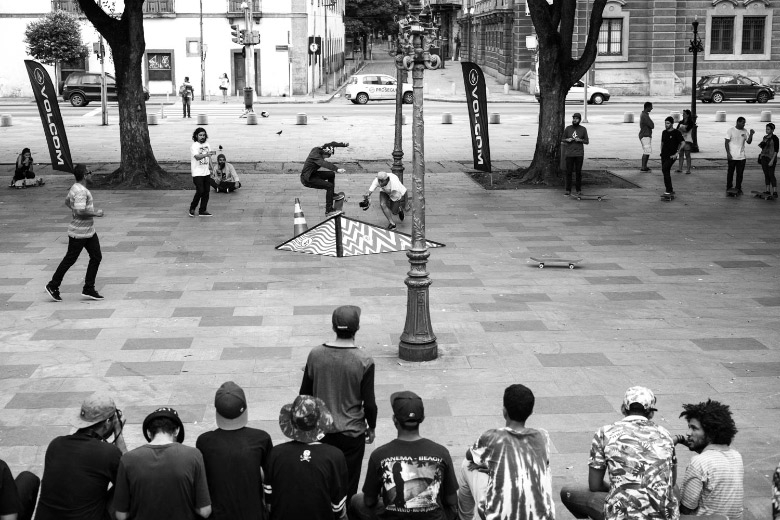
(392, 196)
(224, 176)
(322, 179)
(17, 495)
(24, 175)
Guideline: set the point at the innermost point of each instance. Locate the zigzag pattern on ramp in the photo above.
(357, 238)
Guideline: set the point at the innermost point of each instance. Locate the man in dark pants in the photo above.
(575, 136)
(736, 138)
(646, 126)
(81, 235)
(200, 165)
(313, 177)
(342, 375)
(17, 496)
(672, 142)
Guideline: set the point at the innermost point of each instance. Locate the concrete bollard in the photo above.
(675, 115)
(628, 117)
(203, 119)
(6, 120)
(301, 119)
(251, 118)
(162, 111)
(506, 88)
(766, 116)
(494, 119)
(452, 88)
(720, 116)
(446, 118)
(152, 119)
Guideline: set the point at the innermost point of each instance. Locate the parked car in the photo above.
(596, 95)
(716, 88)
(362, 88)
(82, 87)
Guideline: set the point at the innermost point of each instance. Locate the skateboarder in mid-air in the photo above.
(314, 176)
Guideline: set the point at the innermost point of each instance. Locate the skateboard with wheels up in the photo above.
(762, 195)
(542, 261)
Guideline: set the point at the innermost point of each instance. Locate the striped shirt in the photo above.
(79, 198)
(713, 482)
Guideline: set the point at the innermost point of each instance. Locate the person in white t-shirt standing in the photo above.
(392, 196)
(736, 138)
(200, 162)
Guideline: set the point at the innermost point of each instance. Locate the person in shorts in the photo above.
(392, 196)
(224, 86)
(646, 126)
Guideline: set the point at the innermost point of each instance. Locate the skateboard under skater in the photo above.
(338, 202)
(542, 261)
(589, 197)
(762, 195)
(667, 198)
(732, 192)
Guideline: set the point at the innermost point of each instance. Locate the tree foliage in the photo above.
(55, 38)
(558, 71)
(369, 16)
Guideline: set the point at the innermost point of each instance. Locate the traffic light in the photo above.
(238, 34)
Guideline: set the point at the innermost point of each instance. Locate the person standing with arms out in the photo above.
(736, 138)
(574, 137)
(81, 235)
(768, 158)
(200, 160)
(224, 86)
(686, 129)
(646, 126)
(187, 93)
(672, 142)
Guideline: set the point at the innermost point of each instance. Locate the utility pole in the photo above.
(249, 61)
(103, 89)
(202, 58)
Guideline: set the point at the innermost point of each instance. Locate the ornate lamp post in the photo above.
(398, 153)
(418, 342)
(696, 47)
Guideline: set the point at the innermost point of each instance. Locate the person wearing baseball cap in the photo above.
(320, 174)
(304, 477)
(409, 458)
(392, 197)
(79, 468)
(342, 375)
(162, 480)
(672, 142)
(234, 455)
(638, 456)
(574, 137)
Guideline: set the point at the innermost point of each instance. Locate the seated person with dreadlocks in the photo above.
(320, 174)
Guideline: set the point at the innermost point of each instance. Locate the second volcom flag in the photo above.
(53, 127)
(476, 99)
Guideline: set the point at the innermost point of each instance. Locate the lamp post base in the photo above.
(418, 342)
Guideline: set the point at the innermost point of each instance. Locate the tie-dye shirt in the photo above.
(637, 454)
(520, 483)
(776, 494)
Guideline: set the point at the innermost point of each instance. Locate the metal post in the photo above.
(249, 61)
(398, 153)
(696, 47)
(103, 89)
(202, 58)
(325, 64)
(585, 90)
(313, 55)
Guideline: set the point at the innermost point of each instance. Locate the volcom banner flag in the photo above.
(53, 127)
(476, 99)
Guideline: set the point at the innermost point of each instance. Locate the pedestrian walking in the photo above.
(456, 54)
(187, 93)
(646, 126)
(672, 143)
(736, 139)
(81, 235)
(224, 86)
(768, 158)
(200, 161)
(685, 126)
(575, 136)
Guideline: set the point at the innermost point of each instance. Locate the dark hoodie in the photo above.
(316, 160)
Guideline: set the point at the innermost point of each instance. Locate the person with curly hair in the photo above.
(200, 164)
(713, 481)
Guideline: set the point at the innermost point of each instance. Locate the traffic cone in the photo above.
(299, 221)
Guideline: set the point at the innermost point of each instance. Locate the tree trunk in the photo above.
(125, 37)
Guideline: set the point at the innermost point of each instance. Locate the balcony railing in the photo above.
(234, 7)
(159, 7)
(69, 6)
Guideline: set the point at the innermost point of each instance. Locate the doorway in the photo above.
(239, 74)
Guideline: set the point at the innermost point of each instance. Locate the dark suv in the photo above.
(82, 87)
(726, 87)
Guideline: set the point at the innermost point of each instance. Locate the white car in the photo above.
(362, 88)
(596, 95)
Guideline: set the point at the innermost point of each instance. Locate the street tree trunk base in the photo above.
(538, 174)
(154, 178)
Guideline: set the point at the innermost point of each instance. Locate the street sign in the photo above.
(315, 45)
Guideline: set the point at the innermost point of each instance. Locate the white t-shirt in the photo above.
(394, 187)
(200, 167)
(737, 139)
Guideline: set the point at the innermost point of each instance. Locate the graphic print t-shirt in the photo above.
(412, 477)
(200, 167)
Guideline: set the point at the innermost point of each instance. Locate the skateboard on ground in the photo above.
(762, 195)
(338, 202)
(732, 192)
(542, 261)
(666, 197)
(589, 197)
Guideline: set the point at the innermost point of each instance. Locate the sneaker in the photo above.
(401, 215)
(192, 212)
(739, 191)
(766, 193)
(91, 293)
(775, 195)
(645, 170)
(331, 213)
(54, 293)
(205, 214)
(579, 193)
(264, 113)
(687, 172)
(339, 197)
(391, 227)
(567, 194)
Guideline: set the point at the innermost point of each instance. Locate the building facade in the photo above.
(643, 44)
(283, 64)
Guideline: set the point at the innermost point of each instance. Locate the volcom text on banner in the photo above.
(49, 108)
(476, 100)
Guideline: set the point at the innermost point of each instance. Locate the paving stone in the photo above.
(239, 286)
(613, 280)
(81, 314)
(308, 310)
(36, 400)
(573, 360)
(65, 334)
(522, 297)
(184, 312)
(256, 353)
(508, 326)
(153, 295)
(31, 435)
(231, 321)
(144, 368)
(16, 371)
(741, 264)
(156, 343)
(573, 404)
(14, 306)
(729, 344)
(773, 301)
(771, 369)
(681, 271)
(632, 295)
(7, 282)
